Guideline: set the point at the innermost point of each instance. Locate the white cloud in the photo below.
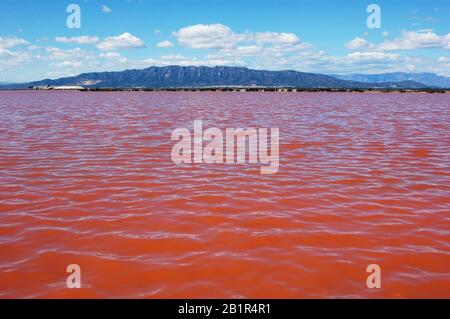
(409, 40)
(274, 38)
(67, 64)
(11, 42)
(357, 43)
(123, 41)
(248, 50)
(165, 44)
(221, 37)
(54, 53)
(106, 9)
(412, 40)
(5, 53)
(275, 51)
(110, 55)
(113, 56)
(271, 49)
(206, 36)
(78, 40)
(10, 59)
(373, 56)
(385, 33)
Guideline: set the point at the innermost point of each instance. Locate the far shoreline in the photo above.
(238, 90)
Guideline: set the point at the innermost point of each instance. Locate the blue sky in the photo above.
(315, 36)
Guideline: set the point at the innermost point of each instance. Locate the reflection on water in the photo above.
(87, 178)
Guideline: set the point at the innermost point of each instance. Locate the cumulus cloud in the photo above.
(121, 42)
(110, 55)
(11, 42)
(275, 51)
(248, 50)
(114, 58)
(272, 49)
(221, 37)
(273, 38)
(78, 40)
(206, 36)
(357, 43)
(411, 40)
(67, 64)
(10, 59)
(373, 56)
(165, 44)
(54, 53)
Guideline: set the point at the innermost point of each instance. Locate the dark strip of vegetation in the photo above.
(249, 89)
(268, 89)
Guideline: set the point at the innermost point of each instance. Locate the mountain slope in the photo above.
(429, 79)
(189, 76)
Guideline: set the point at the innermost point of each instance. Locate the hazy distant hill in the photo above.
(189, 76)
(429, 79)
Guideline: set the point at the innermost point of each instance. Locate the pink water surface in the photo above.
(87, 178)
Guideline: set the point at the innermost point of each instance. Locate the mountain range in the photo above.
(192, 76)
(429, 79)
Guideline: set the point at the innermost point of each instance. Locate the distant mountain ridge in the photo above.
(429, 79)
(193, 76)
